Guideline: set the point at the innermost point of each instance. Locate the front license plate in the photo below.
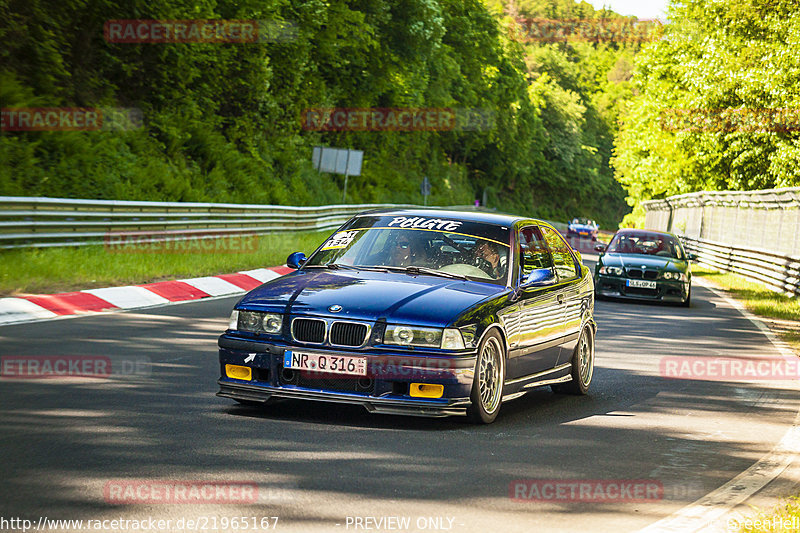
(317, 362)
(641, 284)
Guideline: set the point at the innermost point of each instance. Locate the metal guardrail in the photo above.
(35, 222)
(780, 273)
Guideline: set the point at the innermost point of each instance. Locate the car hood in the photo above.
(649, 261)
(369, 296)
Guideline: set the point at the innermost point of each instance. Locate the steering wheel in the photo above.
(484, 265)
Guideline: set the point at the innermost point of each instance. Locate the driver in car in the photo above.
(489, 259)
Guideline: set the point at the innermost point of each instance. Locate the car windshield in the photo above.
(583, 221)
(646, 244)
(465, 249)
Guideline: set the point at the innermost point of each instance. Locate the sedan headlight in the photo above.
(447, 339)
(611, 271)
(413, 336)
(675, 276)
(256, 322)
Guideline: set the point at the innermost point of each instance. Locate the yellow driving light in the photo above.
(426, 390)
(239, 372)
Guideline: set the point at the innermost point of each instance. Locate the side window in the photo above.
(562, 257)
(533, 253)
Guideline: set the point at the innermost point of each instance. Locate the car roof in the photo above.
(637, 230)
(468, 216)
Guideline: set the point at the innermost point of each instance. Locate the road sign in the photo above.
(338, 161)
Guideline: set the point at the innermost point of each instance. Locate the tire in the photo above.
(688, 301)
(582, 365)
(487, 385)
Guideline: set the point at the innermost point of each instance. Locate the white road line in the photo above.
(705, 514)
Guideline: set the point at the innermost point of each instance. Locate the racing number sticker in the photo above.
(340, 240)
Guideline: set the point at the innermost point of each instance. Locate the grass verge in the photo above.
(779, 311)
(783, 518)
(51, 270)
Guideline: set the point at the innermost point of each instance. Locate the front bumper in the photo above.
(665, 291)
(385, 389)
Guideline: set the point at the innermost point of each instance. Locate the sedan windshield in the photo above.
(430, 246)
(646, 244)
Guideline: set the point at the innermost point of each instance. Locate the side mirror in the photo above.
(296, 260)
(600, 248)
(540, 277)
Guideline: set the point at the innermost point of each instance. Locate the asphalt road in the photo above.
(320, 467)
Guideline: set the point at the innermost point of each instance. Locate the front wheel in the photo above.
(582, 365)
(688, 301)
(487, 385)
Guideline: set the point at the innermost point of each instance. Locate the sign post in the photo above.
(425, 189)
(338, 161)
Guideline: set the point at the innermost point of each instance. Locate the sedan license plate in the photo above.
(641, 284)
(317, 362)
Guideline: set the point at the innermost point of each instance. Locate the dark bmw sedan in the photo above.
(420, 312)
(644, 265)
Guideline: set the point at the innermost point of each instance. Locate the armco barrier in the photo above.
(779, 272)
(44, 222)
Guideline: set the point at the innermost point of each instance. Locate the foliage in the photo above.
(222, 122)
(715, 57)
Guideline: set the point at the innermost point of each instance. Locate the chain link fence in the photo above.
(753, 233)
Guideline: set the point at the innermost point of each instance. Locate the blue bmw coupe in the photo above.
(419, 312)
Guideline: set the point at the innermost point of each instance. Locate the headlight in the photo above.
(447, 339)
(411, 336)
(249, 321)
(675, 275)
(256, 322)
(272, 323)
(611, 271)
